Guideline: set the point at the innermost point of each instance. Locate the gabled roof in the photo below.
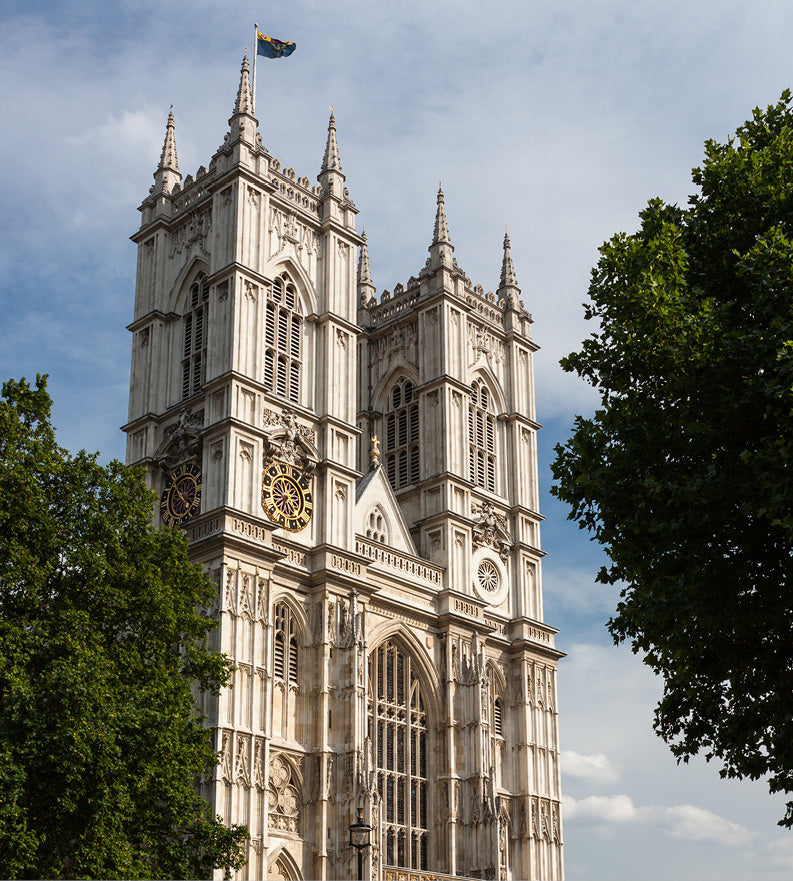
(374, 490)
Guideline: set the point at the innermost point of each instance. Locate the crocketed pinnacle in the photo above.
(441, 232)
(168, 159)
(508, 278)
(244, 102)
(330, 161)
(364, 273)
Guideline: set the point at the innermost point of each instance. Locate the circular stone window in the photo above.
(489, 577)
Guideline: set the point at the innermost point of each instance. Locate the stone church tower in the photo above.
(359, 477)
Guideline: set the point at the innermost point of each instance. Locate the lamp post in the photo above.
(360, 839)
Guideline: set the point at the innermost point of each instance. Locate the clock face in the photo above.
(181, 498)
(286, 497)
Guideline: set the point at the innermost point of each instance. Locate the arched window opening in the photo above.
(376, 528)
(194, 340)
(398, 728)
(402, 435)
(498, 728)
(481, 438)
(285, 660)
(283, 332)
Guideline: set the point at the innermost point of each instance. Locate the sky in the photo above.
(557, 120)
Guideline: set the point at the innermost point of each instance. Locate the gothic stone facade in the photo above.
(359, 477)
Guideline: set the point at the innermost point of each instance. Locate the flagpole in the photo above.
(255, 53)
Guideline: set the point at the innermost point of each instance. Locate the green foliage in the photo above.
(685, 472)
(100, 641)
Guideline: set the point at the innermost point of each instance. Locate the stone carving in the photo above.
(484, 343)
(242, 765)
(181, 440)
(143, 337)
(292, 443)
(284, 798)
(472, 669)
(258, 764)
(251, 290)
(261, 600)
(225, 764)
(229, 600)
(545, 820)
(245, 606)
(351, 629)
(490, 530)
(555, 825)
(192, 236)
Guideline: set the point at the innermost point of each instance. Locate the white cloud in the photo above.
(596, 767)
(679, 821)
(699, 824)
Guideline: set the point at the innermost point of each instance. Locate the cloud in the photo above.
(679, 821)
(699, 824)
(596, 767)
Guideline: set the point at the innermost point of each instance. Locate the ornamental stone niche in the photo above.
(359, 477)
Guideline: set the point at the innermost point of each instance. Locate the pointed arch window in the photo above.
(481, 437)
(402, 434)
(194, 340)
(285, 659)
(399, 732)
(283, 340)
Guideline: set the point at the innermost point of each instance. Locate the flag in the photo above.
(272, 48)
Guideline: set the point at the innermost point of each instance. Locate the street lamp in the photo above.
(360, 835)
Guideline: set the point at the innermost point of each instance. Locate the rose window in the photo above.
(488, 577)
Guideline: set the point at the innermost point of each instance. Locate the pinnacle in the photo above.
(331, 161)
(364, 273)
(168, 158)
(441, 232)
(508, 277)
(244, 102)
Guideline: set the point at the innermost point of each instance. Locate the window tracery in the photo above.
(398, 728)
(194, 336)
(402, 434)
(283, 332)
(481, 437)
(284, 799)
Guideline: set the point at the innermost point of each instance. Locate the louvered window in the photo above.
(402, 435)
(398, 720)
(498, 729)
(194, 340)
(285, 655)
(283, 340)
(481, 438)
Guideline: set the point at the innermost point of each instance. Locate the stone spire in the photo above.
(242, 123)
(366, 289)
(330, 161)
(244, 102)
(441, 248)
(507, 268)
(167, 174)
(330, 176)
(508, 289)
(441, 232)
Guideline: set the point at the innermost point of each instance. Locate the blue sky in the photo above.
(558, 120)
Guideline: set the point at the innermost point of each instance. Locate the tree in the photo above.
(685, 472)
(101, 640)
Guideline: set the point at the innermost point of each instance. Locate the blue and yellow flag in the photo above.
(272, 48)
